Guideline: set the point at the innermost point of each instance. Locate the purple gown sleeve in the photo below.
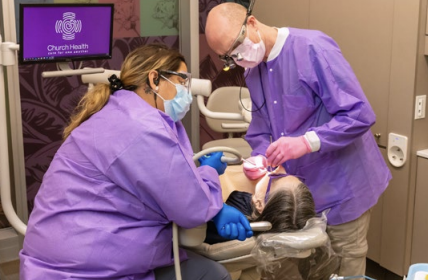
(331, 77)
(165, 178)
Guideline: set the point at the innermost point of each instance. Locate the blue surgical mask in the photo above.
(177, 107)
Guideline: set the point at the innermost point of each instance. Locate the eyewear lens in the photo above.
(185, 78)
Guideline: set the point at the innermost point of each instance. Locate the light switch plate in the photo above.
(420, 106)
(397, 149)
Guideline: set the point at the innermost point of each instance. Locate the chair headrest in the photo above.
(300, 240)
(293, 244)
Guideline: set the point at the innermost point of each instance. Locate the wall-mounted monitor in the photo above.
(65, 32)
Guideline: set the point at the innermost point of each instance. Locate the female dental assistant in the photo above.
(123, 174)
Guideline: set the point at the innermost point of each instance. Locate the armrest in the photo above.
(192, 237)
(235, 125)
(308, 239)
(216, 115)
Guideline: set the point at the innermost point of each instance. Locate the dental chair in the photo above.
(224, 113)
(267, 252)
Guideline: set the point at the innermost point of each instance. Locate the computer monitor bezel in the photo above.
(22, 6)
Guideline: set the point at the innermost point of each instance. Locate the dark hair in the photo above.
(287, 209)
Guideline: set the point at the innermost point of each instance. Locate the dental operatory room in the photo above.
(213, 139)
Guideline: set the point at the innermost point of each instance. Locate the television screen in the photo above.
(65, 32)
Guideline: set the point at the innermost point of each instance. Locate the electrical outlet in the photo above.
(397, 149)
(420, 106)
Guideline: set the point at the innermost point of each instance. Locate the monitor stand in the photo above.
(65, 70)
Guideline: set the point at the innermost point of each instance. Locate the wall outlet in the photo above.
(397, 149)
(420, 106)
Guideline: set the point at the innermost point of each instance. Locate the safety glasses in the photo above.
(185, 78)
(229, 59)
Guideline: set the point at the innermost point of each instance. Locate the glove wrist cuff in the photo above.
(313, 141)
(308, 147)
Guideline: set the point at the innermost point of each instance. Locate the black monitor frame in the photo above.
(22, 6)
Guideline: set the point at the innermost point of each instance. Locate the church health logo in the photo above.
(68, 26)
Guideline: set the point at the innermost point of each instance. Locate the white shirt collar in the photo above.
(279, 43)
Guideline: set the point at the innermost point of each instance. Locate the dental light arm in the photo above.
(97, 78)
(65, 70)
(100, 77)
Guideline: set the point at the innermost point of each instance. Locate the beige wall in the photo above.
(382, 40)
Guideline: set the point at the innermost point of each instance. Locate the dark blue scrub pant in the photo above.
(195, 268)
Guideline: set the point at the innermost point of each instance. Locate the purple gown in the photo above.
(309, 86)
(105, 207)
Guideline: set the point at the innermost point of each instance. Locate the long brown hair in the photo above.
(287, 209)
(133, 75)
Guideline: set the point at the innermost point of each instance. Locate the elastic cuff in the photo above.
(308, 147)
(313, 140)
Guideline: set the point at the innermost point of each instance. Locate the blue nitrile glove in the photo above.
(214, 160)
(232, 224)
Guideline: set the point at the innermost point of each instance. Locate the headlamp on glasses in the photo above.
(229, 59)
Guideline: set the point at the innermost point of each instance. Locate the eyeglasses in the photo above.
(185, 80)
(183, 75)
(229, 59)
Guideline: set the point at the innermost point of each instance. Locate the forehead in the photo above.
(290, 182)
(182, 68)
(221, 38)
(233, 34)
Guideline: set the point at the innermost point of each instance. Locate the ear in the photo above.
(251, 20)
(153, 79)
(258, 204)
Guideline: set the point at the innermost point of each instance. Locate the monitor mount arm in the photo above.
(65, 70)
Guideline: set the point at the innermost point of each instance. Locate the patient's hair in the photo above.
(133, 75)
(287, 209)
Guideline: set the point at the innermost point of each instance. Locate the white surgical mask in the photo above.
(252, 53)
(177, 107)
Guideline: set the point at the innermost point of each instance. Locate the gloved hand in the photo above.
(286, 148)
(232, 224)
(255, 167)
(214, 160)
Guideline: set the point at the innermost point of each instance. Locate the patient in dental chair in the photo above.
(279, 198)
(286, 202)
